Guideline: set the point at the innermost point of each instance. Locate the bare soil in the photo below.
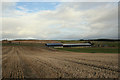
(42, 62)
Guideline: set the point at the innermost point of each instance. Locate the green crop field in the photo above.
(91, 50)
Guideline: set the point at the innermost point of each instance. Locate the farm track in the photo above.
(42, 62)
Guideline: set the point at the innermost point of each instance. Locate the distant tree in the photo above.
(5, 40)
(9, 41)
(81, 40)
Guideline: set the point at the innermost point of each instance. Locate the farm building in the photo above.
(55, 45)
(77, 45)
(60, 45)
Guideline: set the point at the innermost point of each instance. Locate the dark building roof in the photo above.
(78, 44)
(54, 44)
(60, 44)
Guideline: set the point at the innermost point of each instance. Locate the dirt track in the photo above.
(38, 62)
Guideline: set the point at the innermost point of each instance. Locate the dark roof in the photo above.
(78, 44)
(60, 44)
(54, 44)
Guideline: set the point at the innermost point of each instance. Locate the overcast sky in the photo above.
(59, 20)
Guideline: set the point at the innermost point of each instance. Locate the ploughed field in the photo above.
(43, 62)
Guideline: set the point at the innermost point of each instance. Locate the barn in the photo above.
(77, 45)
(55, 45)
(60, 45)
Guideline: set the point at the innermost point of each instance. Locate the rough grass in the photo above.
(91, 50)
(107, 43)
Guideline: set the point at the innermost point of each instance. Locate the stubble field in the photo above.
(43, 62)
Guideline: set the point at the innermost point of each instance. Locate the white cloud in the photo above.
(60, 0)
(68, 21)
